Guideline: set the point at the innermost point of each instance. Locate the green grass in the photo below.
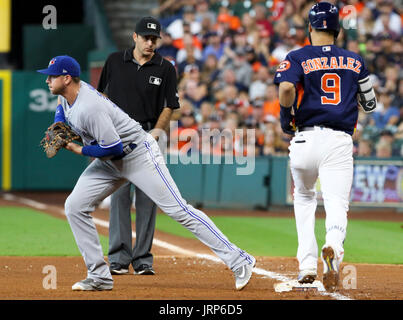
(27, 232)
(366, 242)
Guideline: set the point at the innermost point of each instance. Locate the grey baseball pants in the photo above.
(145, 168)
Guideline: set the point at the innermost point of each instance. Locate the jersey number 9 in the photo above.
(330, 84)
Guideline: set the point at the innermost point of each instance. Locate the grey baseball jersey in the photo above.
(95, 118)
(98, 120)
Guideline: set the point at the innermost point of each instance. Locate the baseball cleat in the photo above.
(117, 269)
(330, 269)
(144, 270)
(307, 276)
(91, 285)
(243, 275)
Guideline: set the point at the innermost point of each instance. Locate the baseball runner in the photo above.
(321, 83)
(123, 152)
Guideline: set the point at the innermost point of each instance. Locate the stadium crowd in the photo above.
(226, 54)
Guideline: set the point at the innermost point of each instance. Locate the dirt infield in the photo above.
(180, 277)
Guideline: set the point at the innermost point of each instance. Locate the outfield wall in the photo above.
(27, 109)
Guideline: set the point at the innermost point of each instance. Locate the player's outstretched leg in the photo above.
(155, 180)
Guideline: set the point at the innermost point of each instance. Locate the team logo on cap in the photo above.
(151, 26)
(52, 62)
(155, 80)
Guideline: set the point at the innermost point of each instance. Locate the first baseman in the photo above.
(321, 83)
(124, 152)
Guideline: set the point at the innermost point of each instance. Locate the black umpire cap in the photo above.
(148, 26)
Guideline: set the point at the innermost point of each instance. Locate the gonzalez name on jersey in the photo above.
(344, 81)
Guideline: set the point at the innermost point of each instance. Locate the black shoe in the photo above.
(144, 270)
(117, 268)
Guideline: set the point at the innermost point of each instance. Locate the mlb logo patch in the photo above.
(52, 62)
(155, 80)
(151, 26)
(326, 49)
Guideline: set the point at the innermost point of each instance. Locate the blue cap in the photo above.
(324, 16)
(62, 65)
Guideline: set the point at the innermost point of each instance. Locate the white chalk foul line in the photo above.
(171, 247)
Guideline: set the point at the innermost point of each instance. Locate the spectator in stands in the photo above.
(239, 39)
(365, 148)
(250, 26)
(209, 72)
(383, 149)
(289, 43)
(188, 48)
(398, 100)
(301, 38)
(281, 29)
(176, 28)
(214, 46)
(261, 18)
(257, 88)
(259, 53)
(236, 60)
(227, 77)
(273, 142)
(271, 104)
(195, 90)
(189, 60)
(388, 136)
(203, 12)
(186, 134)
(226, 22)
(165, 47)
(391, 79)
(365, 22)
(387, 116)
(388, 21)
(399, 132)
(205, 113)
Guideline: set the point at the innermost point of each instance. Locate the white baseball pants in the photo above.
(327, 154)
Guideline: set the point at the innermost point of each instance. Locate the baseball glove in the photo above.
(58, 135)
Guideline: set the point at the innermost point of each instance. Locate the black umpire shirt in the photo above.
(141, 91)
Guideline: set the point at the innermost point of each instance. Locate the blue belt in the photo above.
(126, 150)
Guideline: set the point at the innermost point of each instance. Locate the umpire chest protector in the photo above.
(142, 91)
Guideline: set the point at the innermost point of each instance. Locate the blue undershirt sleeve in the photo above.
(98, 152)
(59, 114)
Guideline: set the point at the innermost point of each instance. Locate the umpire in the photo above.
(143, 84)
